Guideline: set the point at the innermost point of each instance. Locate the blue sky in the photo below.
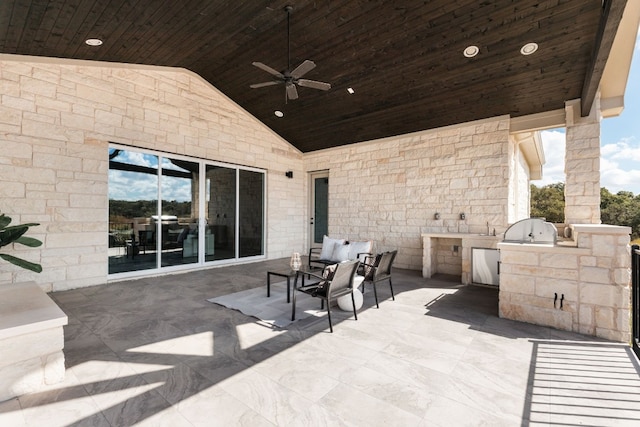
(620, 143)
(139, 186)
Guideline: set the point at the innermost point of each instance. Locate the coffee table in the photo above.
(288, 274)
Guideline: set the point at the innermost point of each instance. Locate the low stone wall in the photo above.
(31, 340)
(592, 272)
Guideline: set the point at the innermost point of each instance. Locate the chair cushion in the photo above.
(340, 253)
(356, 248)
(327, 246)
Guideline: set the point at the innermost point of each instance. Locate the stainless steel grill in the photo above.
(531, 230)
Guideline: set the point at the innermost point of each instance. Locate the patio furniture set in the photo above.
(340, 269)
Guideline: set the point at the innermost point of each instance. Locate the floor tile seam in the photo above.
(320, 348)
(366, 342)
(381, 403)
(97, 405)
(19, 411)
(490, 384)
(511, 418)
(401, 384)
(223, 386)
(314, 400)
(517, 414)
(242, 361)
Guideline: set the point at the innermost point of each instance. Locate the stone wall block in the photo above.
(596, 275)
(547, 288)
(604, 317)
(586, 314)
(520, 258)
(560, 261)
(598, 294)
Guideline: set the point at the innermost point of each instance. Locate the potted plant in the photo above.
(15, 234)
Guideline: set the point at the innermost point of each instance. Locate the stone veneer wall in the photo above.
(389, 190)
(594, 276)
(56, 120)
(582, 165)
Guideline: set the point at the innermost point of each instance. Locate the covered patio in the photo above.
(430, 131)
(154, 352)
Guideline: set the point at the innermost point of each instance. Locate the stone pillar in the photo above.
(582, 164)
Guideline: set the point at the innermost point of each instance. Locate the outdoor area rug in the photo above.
(273, 310)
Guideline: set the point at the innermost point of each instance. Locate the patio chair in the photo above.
(334, 285)
(377, 270)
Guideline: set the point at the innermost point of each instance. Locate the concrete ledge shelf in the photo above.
(31, 340)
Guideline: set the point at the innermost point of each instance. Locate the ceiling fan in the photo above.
(287, 77)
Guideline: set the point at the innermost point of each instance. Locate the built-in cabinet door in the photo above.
(319, 212)
(485, 266)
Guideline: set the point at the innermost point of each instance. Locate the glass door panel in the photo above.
(251, 213)
(178, 219)
(319, 207)
(133, 200)
(221, 212)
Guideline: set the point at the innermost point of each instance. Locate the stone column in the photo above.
(582, 164)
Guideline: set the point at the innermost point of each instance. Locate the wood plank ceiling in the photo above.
(403, 58)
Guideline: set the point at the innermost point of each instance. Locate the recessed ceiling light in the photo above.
(93, 42)
(278, 113)
(529, 48)
(350, 90)
(471, 51)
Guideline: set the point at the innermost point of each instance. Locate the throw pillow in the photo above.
(327, 246)
(340, 253)
(356, 248)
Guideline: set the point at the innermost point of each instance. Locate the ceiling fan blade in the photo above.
(314, 84)
(303, 69)
(258, 85)
(267, 69)
(292, 92)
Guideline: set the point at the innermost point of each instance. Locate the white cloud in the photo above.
(553, 144)
(618, 163)
(618, 167)
(623, 150)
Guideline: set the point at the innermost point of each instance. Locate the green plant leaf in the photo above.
(11, 234)
(22, 263)
(29, 241)
(30, 224)
(4, 221)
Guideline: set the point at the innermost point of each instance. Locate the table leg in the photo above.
(268, 285)
(288, 289)
(293, 306)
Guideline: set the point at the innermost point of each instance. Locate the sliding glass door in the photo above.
(221, 218)
(175, 212)
(133, 200)
(178, 221)
(251, 213)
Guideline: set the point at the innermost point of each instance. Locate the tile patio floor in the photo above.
(153, 352)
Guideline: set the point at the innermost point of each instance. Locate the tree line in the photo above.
(124, 210)
(622, 208)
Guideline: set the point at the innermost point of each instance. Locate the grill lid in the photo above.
(531, 230)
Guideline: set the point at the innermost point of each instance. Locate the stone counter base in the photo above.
(593, 276)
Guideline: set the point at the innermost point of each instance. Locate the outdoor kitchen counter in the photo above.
(450, 253)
